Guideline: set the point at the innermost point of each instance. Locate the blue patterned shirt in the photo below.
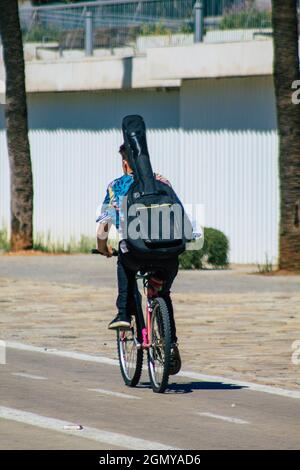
(116, 190)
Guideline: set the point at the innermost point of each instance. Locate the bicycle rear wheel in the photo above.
(129, 353)
(160, 350)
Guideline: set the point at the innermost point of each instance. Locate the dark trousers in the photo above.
(127, 268)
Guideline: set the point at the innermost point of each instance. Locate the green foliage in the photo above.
(266, 267)
(191, 260)
(154, 29)
(216, 247)
(4, 242)
(83, 246)
(214, 252)
(246, 19)
(187, 28)
(39, 33)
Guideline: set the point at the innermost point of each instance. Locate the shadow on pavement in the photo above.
(190, 387)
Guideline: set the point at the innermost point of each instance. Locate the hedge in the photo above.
(214, 253)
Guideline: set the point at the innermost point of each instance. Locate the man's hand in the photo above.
(102, 235)
(107, 251)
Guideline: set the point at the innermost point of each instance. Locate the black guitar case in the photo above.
(154, 196)
(134, 133)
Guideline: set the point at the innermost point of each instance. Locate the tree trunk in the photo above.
(286, 71)
(17, 128)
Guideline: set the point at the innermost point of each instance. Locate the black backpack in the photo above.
(156, 225)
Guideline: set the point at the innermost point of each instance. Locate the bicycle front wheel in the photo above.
(130, 353)
(160, 350)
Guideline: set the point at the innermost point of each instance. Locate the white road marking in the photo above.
(73, 427)
(224, 418)
(249, 385)
(114, 394)
(68, 354)
(29, 376)
(191, 375)
(98, 435)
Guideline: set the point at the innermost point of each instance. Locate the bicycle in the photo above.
(152, 335)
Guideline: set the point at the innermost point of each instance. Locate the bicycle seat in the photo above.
(143, 274)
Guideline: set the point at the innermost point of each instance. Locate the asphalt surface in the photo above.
(40, 394)
(101, 272)
(193, 414)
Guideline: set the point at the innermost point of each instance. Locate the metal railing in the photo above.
(106, 25)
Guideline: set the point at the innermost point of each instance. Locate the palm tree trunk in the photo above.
(17, 127)
(286, 70)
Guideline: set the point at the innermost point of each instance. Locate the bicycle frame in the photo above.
(146, 331)
(150, 332)
(152, 291)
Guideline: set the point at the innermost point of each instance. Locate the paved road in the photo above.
(99, 271)
(41, 393)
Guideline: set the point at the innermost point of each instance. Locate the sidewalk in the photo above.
(229, 323)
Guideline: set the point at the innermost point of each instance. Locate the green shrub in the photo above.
(190, 260)
(84, 245)
(154, 29)
(39, 33)
(214, 252)
(187, 28)
(266, 267)
(4, 241)
(216, 247)
(246, 19)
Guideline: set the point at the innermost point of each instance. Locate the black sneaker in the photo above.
(120, 321)
(175, 360)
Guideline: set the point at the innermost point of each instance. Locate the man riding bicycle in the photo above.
(128, 263)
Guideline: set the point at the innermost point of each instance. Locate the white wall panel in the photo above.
(233, 174)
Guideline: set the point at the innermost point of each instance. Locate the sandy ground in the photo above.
(231, 332)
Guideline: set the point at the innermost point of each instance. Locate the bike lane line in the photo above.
(28, 376)
(229, 419)
(94, 434)
(101, 391)
(188, 374)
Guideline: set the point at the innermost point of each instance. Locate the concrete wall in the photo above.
(103, 110)
(160, 67)
(263, 4)
(204, 60)
(232, 104)
(100, 110)
(206, 104)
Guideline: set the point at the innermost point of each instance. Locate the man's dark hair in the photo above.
(123, 152)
